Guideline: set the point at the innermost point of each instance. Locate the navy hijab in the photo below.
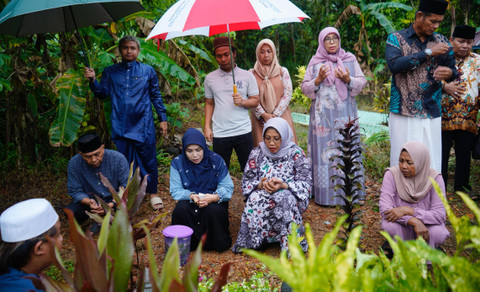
(205, 176)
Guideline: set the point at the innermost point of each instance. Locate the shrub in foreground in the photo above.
(415, 266)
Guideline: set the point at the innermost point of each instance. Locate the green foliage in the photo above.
(377, 156)
(381, 98)
(163, 63)
(467, 235)
(8, 156)
(348, 165)
(163, 158)
(71, 104)
(373, 8)
(327, 268)
(176, 113)
(55, 274)
(120, 249)
(298, 98)
(377, 138)
(258, 282)
(5, 71)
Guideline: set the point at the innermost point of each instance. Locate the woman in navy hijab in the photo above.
(200, 182)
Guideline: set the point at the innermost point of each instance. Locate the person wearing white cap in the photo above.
(24, 248)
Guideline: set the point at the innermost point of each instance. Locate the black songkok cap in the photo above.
(433, 6)
(222, 42)
(89, 142)
(464, 32)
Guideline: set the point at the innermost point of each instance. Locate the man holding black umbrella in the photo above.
(133, 88)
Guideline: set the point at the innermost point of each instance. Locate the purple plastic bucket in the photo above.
(182, 233)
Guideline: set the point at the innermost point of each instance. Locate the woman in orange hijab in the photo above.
(275, 88)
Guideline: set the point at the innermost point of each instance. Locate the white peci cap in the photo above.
(27, 219)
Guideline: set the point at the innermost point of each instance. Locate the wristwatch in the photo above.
(428, 52)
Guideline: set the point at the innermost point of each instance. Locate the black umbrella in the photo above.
(26, 17)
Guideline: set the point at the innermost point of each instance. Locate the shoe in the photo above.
(156, 202)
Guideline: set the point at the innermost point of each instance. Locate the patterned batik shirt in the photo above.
(461, 113)
(414, 91)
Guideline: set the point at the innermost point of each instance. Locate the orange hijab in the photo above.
(266, 90)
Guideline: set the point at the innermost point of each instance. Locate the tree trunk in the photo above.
(22, 127)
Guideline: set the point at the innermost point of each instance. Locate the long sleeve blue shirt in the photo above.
(84, 181)
(133, 88)
(224, 188)
(16, 281)
(414, 91)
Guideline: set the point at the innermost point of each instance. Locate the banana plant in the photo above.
(71, 107)
(365, 11)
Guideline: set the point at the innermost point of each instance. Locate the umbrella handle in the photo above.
(235, 91)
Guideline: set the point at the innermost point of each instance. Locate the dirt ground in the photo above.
(18, 186)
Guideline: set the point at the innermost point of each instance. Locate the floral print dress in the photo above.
(327, 112)
(268, 217)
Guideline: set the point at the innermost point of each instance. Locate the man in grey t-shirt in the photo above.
(228, 111)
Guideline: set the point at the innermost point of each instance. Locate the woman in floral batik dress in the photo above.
(276, 184)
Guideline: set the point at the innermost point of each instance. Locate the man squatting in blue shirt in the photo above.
(133, 88)
(84, 179)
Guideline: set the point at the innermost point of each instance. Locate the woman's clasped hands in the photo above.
(203, 200)
(272, 185)
(419, 227)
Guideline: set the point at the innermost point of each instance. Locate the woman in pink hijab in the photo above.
(332, 80)
(275, 90)
(409, 205)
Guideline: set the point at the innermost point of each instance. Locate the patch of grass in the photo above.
(258, 282)
(299, 108)
(234, 168)
(54, 273)
(365, 103)
(164, 160)
(302, 136)
(376, 159)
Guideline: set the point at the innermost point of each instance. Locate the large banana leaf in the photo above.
(383, 5)
(202, 53)
(384, 22)
(70, 110)
(382, 19)
(164, 64)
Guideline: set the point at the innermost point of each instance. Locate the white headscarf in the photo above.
(286, 134)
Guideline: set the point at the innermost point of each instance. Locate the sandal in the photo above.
(157, 203)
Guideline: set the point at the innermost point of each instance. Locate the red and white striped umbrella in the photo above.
(210, 17)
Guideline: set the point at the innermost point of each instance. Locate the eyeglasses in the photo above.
(331, 40)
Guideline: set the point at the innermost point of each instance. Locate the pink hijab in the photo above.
(321, 56)
(414, 189)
